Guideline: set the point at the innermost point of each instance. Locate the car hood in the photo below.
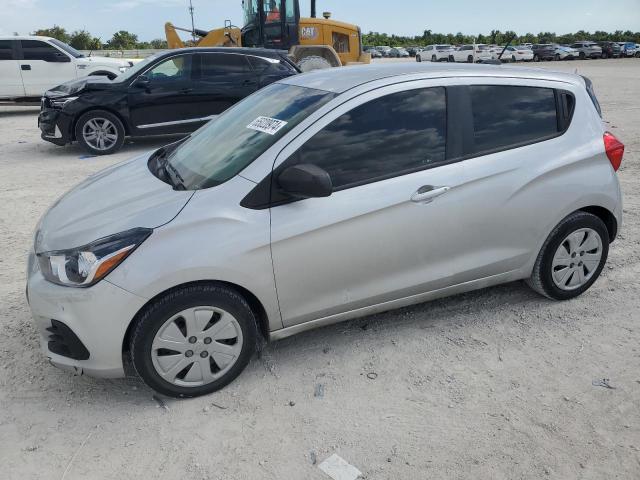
(105, 61)
(79, 85)
(122, 197)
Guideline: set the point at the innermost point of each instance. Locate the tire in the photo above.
(536, 58)
(313, 62)
(604, 55)
(157, 319)
(452, 59)
(470, 59)
(418, 58)
(106, 126)
(542, 277)
(513, 59)
(582, 56)
(434, 58)
(556, 57)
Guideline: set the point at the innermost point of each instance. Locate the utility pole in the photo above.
(193, 25)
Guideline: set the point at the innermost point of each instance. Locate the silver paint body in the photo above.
(318, 261)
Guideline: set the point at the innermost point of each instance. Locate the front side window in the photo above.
(6, 50)
(226, 145)
(37, 50)
(174, 69)
(386, 137)
(507, 116)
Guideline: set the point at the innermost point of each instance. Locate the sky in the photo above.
(403, 17)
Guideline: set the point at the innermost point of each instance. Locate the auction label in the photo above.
(267, 125)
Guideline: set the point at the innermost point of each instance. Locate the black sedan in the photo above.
(172, 92)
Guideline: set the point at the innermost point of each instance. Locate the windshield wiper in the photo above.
(176, 178)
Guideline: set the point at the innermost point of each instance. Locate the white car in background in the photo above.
(31, 65)
(435, 53)
(566, 53)
(518, 53)
(471, 54)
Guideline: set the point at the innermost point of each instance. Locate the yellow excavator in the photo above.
(313, 43)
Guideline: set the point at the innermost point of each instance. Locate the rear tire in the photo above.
(470, 59)
(568, 265)
(100, 132)
(434, 58)
(313, 62)
(169, 372)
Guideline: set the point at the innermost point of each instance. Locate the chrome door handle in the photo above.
(427, 193)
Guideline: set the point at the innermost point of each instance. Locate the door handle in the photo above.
(25, 67)
(427, 193)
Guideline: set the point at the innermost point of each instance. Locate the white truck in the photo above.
(31, 65)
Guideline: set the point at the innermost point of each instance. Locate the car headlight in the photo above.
(61, 102)
(87, 265)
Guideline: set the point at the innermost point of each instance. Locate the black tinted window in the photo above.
(37, 50)
(382, 138)
(505, 115)
(215, 64)
(6, 50)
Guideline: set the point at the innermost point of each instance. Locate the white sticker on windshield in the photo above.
(267, 125)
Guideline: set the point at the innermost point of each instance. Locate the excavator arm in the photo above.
(220, 37)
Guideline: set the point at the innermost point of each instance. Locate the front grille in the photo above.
(63, 341)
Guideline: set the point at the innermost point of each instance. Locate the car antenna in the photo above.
(506, 46)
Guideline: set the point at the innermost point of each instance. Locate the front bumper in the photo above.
(97, 316)
(55, 126)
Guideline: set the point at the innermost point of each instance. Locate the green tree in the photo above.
(123, 40)
(54, 32)
(159, 44)
(83, 40)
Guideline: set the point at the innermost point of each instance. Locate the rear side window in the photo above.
(213, 65)
(6, 50)
(508, 116)
(386, 137)
(37, 50)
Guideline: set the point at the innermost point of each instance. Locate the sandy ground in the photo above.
(492, 384)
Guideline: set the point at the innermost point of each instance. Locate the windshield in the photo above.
(137, 68)
(443, 47)
(225, 146)
(67, 48)
(250, 8)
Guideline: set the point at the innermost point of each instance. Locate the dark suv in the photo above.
(610, 49)
(543, 51)
(172, 92)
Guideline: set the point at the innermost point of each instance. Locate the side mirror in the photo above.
(305, 181)
(142, 82)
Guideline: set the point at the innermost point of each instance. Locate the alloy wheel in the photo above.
(576, 259)
(196, 346)
(100, 133)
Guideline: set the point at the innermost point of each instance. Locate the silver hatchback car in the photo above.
(324, 197)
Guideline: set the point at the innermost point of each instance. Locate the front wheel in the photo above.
(194, 341)
(100, 132)
(571, 258)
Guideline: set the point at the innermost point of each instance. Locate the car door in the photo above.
(163, 98)
(222, 80)
(10, 79)
(394, 226)
(43, 67)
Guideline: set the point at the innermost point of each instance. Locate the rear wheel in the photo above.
(100, 132)
(571, 258)
(194, 341)
(470, 59)
(434, 58)
(313, 62)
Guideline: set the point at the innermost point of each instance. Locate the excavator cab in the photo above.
(270, 23)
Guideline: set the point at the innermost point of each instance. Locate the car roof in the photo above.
(24, 37)
(338, 80)
(263, 52)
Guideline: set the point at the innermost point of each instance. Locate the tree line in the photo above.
(83, 40)
(496, 37)
(123, 40)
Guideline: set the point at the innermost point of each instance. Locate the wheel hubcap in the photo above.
(100, 133)
(196, 346)
(577, 259)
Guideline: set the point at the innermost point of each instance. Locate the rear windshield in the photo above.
(222, 148)
(592, 94)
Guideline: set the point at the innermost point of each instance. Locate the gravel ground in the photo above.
(492, 384)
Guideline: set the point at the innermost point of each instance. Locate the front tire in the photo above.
(194, 340)
(572, 257)
(100, 132)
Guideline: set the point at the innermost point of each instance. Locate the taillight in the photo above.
(614, 149)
